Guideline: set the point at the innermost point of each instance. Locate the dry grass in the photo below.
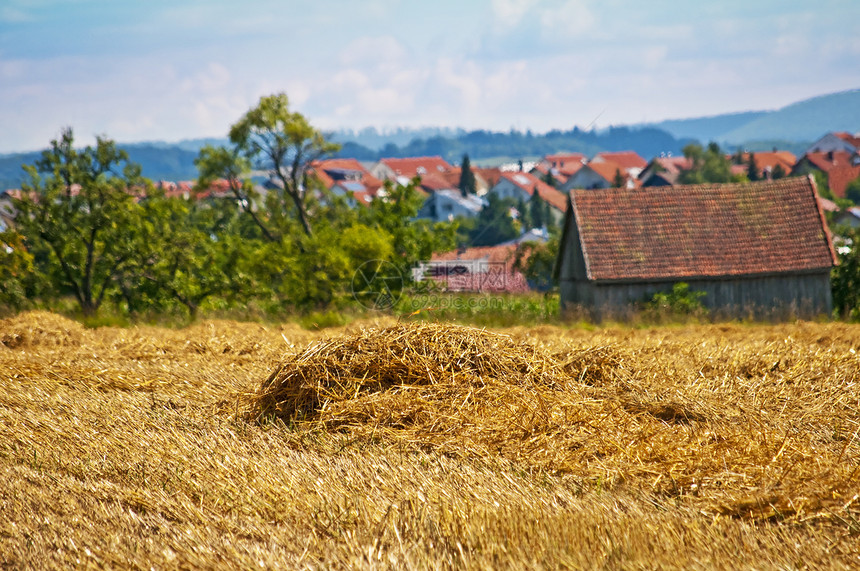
(387, 445)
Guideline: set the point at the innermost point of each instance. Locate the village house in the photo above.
(839, 167)
(755, 248)
(348, 178)
(522, 185)
(836, 142)
(405, 169)
(664, 171)
(446, 204)
(600, 174)
(629, 161)
(769, 162)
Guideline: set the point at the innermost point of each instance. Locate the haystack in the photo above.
(398, 359)
(40, 328)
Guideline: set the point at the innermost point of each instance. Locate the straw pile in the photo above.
(401, 359)
(39, 328)
(600, 415)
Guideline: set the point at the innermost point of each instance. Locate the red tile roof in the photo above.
(607, 170)
(625, 159)
(413, 166)
(562, 160)
(541, 169)
(433, 181)
(682, 232)
(853, 140)
(674, 165)
(319, 168)
(529, 182)
(768, 160)
(837, 166)
(491, 176)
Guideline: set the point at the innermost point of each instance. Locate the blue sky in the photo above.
(174, 69)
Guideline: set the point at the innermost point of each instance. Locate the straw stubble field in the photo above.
(425, 445)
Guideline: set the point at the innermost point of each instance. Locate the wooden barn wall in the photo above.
(787, 296)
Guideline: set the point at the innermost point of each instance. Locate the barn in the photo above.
(756, 249)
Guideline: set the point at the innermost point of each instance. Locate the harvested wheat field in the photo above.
(427, 445)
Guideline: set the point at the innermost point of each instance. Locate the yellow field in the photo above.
(429, 446)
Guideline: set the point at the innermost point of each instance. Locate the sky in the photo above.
(168, 70)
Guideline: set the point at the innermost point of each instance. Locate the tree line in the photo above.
(91, 228)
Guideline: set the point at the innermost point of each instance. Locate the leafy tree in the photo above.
(523, 215)
(550, 179)
(468, 184)
(215, 163)
(708, 165)
(79, 214)
(778, 172)
(618, 180)
(413, 240)
(16, 268)
(190, 252)
(852, 191)
(845, 278)
(536, 261)
(494, 223)
(284, 143)
(539, 213)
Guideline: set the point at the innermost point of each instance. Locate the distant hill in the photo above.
(158, 161)
(791, 128)
(801, 122)
(706, 129)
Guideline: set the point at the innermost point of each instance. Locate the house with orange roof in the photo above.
(664, 171)
(347, 177)
(630, 161)
(543, 171)
(621, 246)
(561, 165)
(840, 168)
(600, 174)
(403, 170)
(769, 161)
(522, 186)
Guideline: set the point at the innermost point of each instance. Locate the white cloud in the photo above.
(509, 13)
(569, 18)
(373, 50)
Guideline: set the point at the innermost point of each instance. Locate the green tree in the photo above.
(413, 240)
(536, 260)
(190, 252)
(284, 143)
(468, 185)
(79, 212)
(845, 278)
(618, 180)
(752, 168)
(494, 223)
(708, 165)
(215, 163)
(16, 269)
(550, 179)
(778, 172)
(539, 212)
(852, 191)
